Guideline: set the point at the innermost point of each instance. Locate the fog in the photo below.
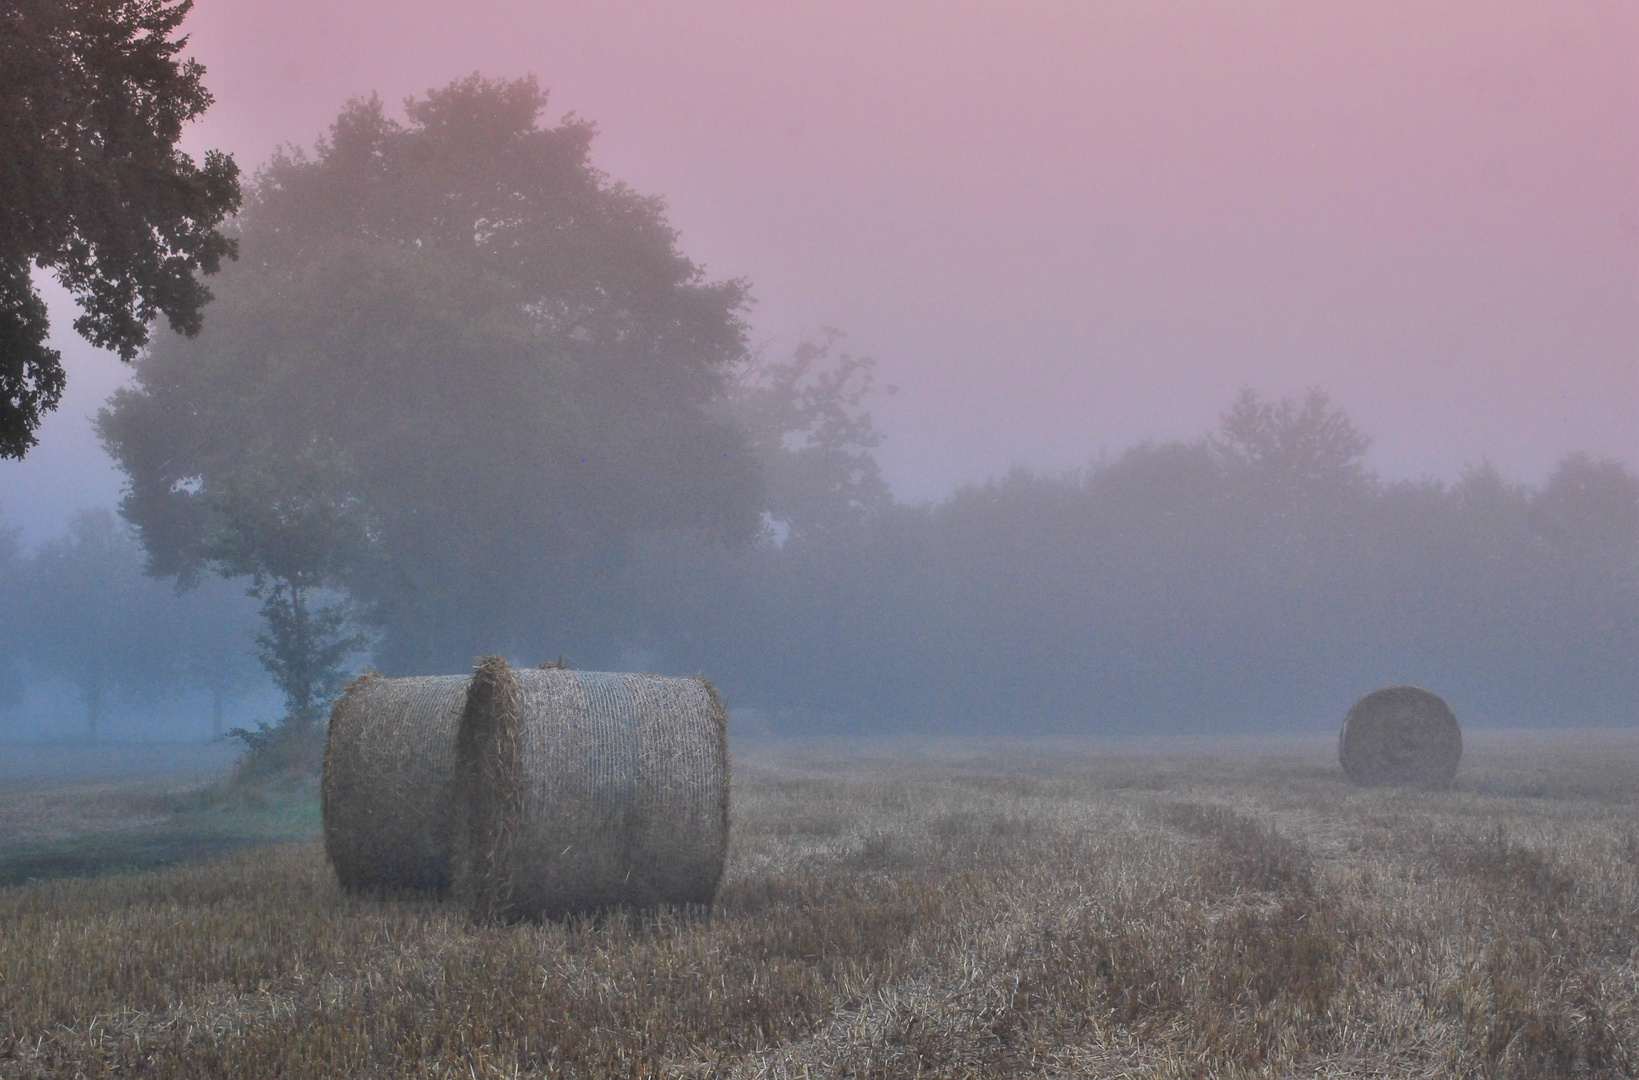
(1066, 229)
(1200, 373)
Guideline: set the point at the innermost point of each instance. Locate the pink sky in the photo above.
(1066, 225)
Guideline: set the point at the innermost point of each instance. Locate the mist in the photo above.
(1184, 388)
(1068, 229)
(1256, 578)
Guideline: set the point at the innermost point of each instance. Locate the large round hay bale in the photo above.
(389, 766)
(1400, 735)
(579, 791)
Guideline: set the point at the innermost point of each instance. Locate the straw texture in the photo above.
(389, 765)
(579, 791)
(1400, 735)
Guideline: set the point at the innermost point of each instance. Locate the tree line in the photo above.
(1256, 577)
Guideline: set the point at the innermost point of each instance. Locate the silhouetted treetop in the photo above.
(1589, 510)
(92, 102)
(474, 175)
(814, 438)
(1306, 445)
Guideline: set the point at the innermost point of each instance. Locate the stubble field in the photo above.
(921, 910)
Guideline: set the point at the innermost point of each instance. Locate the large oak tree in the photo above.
(505, 347)
(92, 187)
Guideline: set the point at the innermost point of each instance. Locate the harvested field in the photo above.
(922, 909)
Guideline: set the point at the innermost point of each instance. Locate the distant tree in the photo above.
(290, 524)
(695, 601)
(92, 103)
(1589, 511)
(508, 347)
(814, 438)
(1295, 489)
(1491, 528)
(1582, 528)
(1304, 448)
(94, 619)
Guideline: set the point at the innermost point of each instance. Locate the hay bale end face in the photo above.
(579, 791)
(389, 766)
(1400, 735)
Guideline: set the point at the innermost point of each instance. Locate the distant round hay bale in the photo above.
(389, 763)
(579, 791)
(1400, 735)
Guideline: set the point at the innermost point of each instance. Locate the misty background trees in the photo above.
(96, 621)
(12, 632)
(463, 393)
(81, 616)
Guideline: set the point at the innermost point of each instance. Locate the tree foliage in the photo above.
(1303, 450)
(93, 99)
(507, 346)
(814, 438)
